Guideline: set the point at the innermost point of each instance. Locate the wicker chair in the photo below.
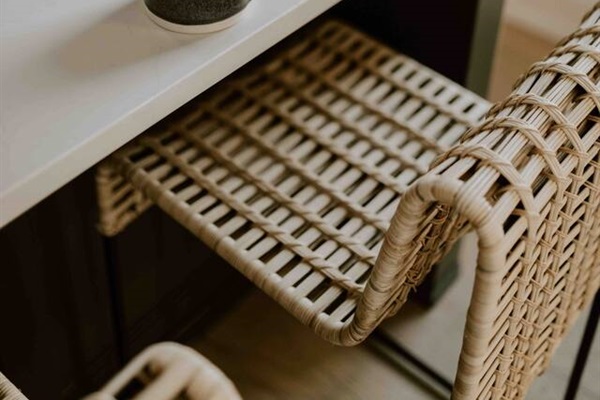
(335, 174)
(168, 371)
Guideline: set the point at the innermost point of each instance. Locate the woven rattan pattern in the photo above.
(534, 167)
(293, 172)
(8, 391)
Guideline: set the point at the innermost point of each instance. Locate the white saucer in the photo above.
(193, 29)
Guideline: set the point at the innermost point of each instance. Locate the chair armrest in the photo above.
(528, 181)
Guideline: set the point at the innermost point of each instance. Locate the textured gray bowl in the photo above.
(195, 16)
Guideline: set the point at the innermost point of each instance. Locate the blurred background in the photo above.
(529, 30)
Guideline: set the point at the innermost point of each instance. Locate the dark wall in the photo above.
(439, 34)
(56, 333)
(169, 285)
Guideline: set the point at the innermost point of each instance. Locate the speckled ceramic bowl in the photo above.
(195, 16)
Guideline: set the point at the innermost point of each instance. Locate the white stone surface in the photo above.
(78, 79)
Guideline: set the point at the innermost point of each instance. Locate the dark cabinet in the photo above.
(74, 305)
(56, 332)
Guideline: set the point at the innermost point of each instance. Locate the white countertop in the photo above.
(78, 79)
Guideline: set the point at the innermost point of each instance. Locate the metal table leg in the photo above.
(388, 344)
(584, 349)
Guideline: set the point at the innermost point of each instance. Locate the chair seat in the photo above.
(293, 170)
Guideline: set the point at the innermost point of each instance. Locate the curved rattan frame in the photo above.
(8, 391)
(527, 180)
(539, 230)
(166, 371)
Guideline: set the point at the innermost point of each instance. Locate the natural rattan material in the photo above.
(293, 172)
(168, 371)
(8, 391)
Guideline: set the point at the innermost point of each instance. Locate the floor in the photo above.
(271, 356)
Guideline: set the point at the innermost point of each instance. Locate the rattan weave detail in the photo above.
(334, 176)
(288, 174)
(8, 391)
